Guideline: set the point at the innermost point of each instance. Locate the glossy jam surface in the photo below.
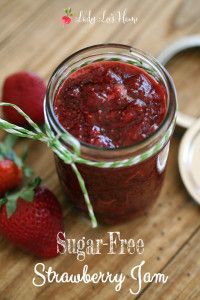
(110, 104)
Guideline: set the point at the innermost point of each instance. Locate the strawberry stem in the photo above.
(2, 201)
(26, 193)
(68, 11)
(7, 152)
(10, 141)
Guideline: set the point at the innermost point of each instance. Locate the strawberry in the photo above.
(12, 167)
(26, 90)
(66, 19)
(10, 176)
(31, 218)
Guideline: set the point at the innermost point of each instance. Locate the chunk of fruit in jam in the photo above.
(110, 104)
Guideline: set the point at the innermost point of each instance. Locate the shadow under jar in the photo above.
(120, 103)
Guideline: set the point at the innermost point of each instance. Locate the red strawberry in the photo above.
(31, 219)
(12, 167)
(10, 176)
(66, 20)
(26, 90)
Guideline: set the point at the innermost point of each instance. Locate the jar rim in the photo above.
(52, 120)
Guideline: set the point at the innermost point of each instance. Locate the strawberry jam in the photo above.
(112, 105)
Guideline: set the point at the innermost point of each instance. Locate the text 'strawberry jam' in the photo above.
(117, 110)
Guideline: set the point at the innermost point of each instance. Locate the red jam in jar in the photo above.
(110, 104)
(115, 109)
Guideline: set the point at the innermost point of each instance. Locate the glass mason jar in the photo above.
(116, 194)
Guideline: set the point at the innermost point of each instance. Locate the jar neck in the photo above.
(113, 52)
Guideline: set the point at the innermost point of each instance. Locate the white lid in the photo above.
(189, 160)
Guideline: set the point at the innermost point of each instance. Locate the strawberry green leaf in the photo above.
(10, 140)
(28, 172)
(11, 204)
(36, 181)
(25, 154)
(26, 193)
(2, 201)
(66, 10)
(17, 160)
(6, 151)
(7, 145)
(2, 149)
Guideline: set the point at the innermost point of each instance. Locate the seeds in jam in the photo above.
(110, 104)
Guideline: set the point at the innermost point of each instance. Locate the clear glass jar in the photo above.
(116, 194)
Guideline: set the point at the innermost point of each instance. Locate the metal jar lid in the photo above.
(189, 160)
(189, 151)
(183, 120)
